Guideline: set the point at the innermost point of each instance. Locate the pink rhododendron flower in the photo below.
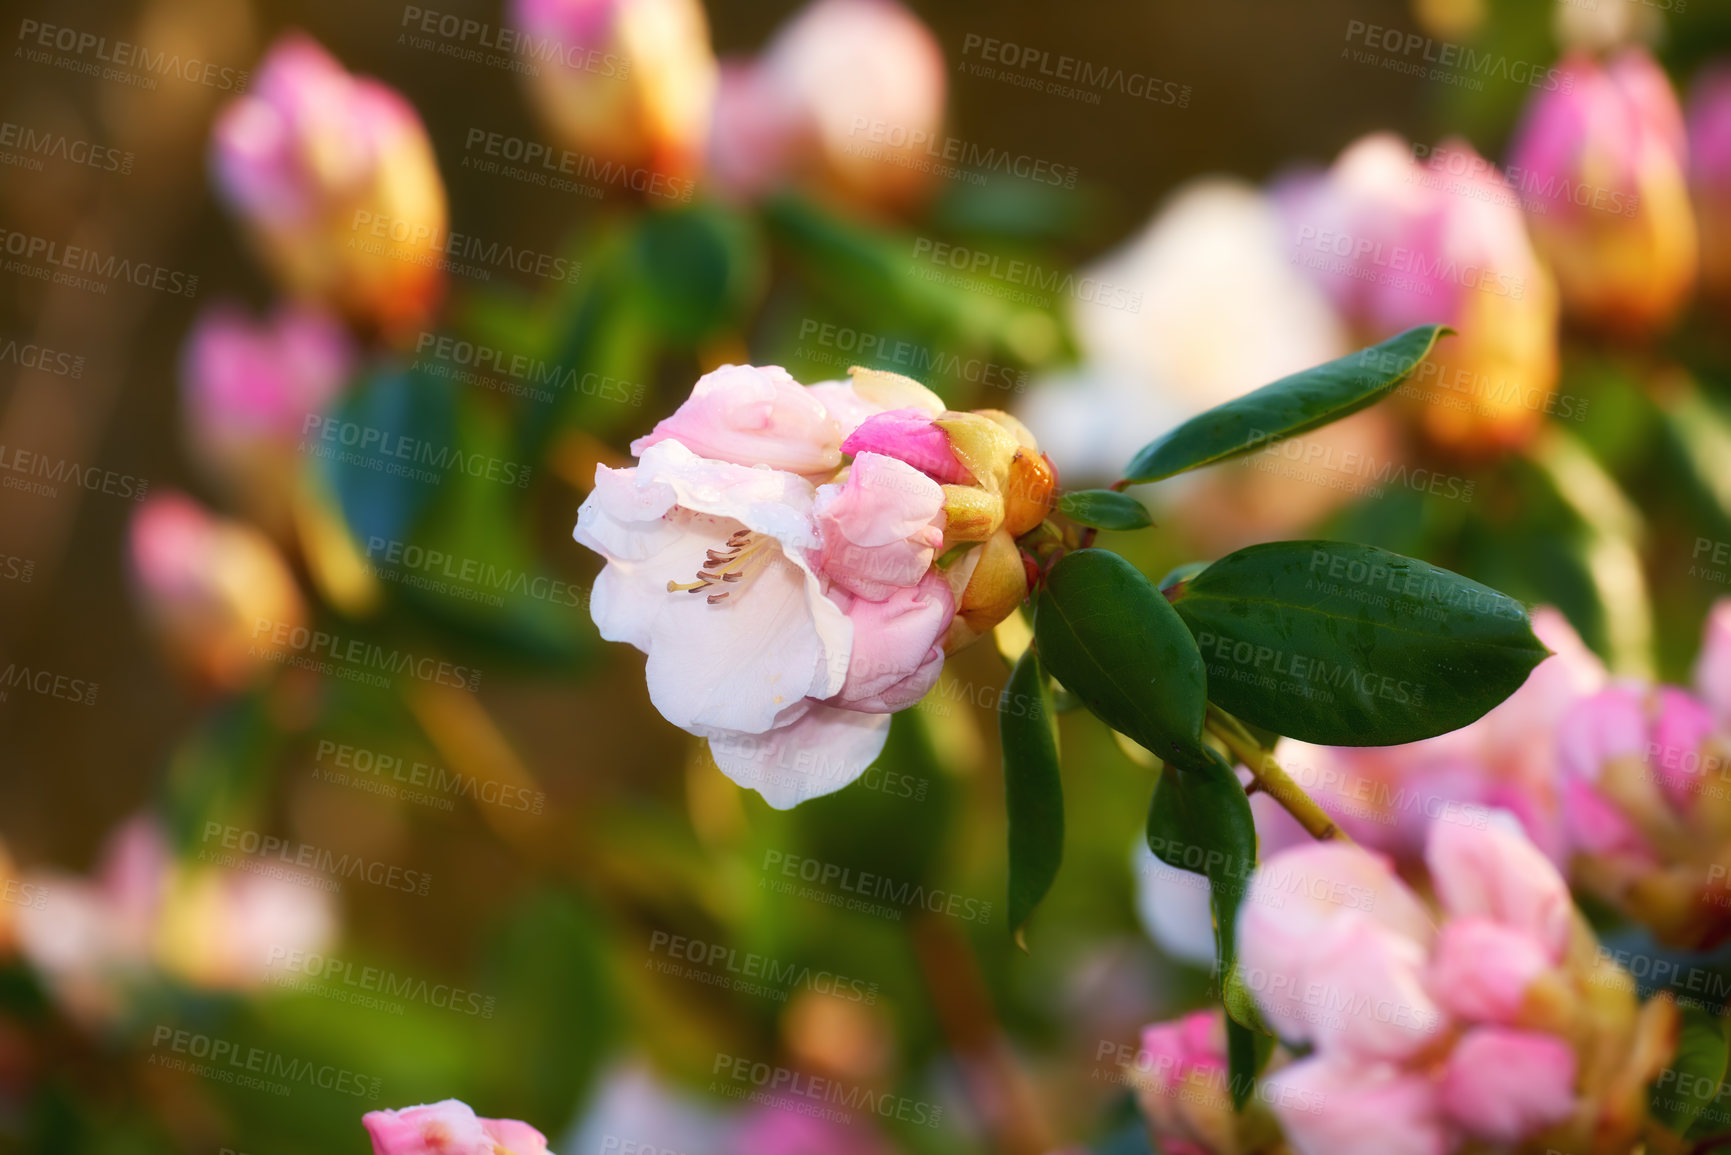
(1181, 1083)
(630, 82)
(247, 389)
(1709, 130)
(1603, 154)
(204, 583)
(1514, 1025)
(449, 1128)
(1397, 242)
(313, 160)
(1644, 782)
(96, 941)
(788, 605)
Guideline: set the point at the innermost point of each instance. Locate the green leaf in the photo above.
(1703, 1054)
(1350, 645)
(1113, 640)
(1104, 509)
(1033, 790)
(1247, 1051)
(1290, 406)
(1200, 821)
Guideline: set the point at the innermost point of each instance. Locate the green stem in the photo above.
(1272, 778)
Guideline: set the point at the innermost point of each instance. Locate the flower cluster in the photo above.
(1502, 1026)
(796, 561)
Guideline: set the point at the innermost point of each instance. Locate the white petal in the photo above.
(737, 664)
(822, 751)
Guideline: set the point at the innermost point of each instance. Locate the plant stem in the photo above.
(1274, 781)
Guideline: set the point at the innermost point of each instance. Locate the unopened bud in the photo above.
(971, 513)
(994, 589)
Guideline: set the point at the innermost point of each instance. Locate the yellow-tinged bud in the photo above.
(995, 584)
(984, 447)
(1031, 491)
(1023, 435)
(972, 514)
(893, 391)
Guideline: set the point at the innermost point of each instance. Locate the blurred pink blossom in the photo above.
(1417, 1032)
(247, 389)
(312, 159)
(1603, 158)
(449, 1128)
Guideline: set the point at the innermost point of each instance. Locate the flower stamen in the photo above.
(742, 556)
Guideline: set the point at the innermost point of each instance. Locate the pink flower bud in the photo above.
(868, 79)
(1502, 1086)
(1399, 243)
(751, 415)
(881, 528)
(1482, 969)
(913, 436)
(897, 646)
(630, 82)
(1494, 872)
(334, 176)
(204, 584)
(1329, 1105)
(1181, 1085)
(783, 1130)
(1601, 157)
(1327, 920)
(757, 133)
(247, 389)
(449, 1128)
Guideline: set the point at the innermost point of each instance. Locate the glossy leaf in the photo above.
(1104, 509)
(1290, 406)
(1114, 641)
(1703, 1056)
(1350, 645)
(1033, 790)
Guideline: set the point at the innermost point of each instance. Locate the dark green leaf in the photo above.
(1033, 790)
(1350, 645)
(1703, 1053)
(1104, 509)
(1290, 406)
(1247, 1051)
(1113, 640)
(1200, 821)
